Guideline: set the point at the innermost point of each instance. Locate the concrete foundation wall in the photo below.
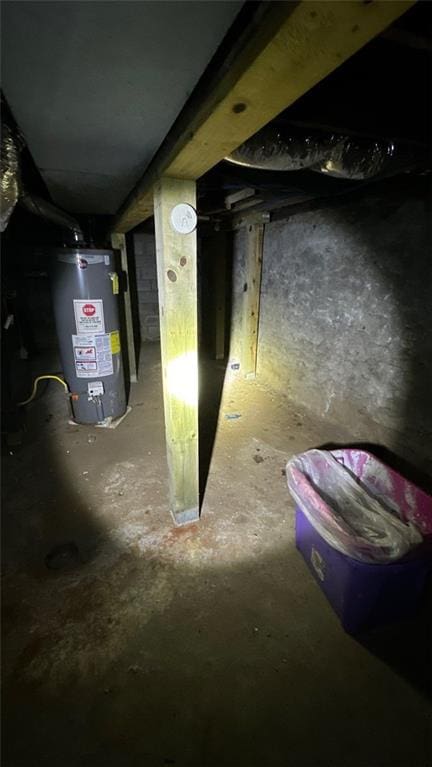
(346, 316)
(146, 278)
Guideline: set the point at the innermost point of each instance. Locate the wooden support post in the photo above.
(220, 300)
(216, 250)
(251, 298)
(118, 242)
(177, 284)
(272, 64)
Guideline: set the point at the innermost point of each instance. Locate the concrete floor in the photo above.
(203, 646)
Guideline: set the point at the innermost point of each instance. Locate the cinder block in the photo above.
(145, 261)
(149, 312)
(146, 297)
(144, 284)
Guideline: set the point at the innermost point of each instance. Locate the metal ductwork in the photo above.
(50, 212)
(341, 156)
(13, 190)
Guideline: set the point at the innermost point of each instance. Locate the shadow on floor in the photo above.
(212, 376)
(195, 647)
(53, 513)
(202, 670)
(215, 291)
(405, 647)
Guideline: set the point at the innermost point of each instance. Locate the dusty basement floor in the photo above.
(207, 646)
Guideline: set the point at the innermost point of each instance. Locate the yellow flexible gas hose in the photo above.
(35, 385)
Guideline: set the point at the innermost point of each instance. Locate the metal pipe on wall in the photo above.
(44, 209)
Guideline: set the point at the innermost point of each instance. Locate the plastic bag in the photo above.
(344, 513)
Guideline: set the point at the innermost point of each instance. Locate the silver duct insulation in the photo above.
(50, 212)
(334, 154)
(10, 181)
(12, 190)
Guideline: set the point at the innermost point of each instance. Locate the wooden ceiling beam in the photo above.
(294, 46)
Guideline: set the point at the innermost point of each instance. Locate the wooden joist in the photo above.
(294, 47)
(216, 249)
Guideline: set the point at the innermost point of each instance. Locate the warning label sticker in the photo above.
(89, 316)
(92, 355)
(85, 353)
(115, 341)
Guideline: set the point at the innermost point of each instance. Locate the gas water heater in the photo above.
(85, 288)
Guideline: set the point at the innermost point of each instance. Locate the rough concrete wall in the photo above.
(146, 275)
(345, 325)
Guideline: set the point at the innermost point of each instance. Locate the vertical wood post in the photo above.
(118, 242)
(177, 285)
(251, 298)
(219, 276)
(215, 251)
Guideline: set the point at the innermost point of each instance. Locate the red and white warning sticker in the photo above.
(92, 355)
(89, 316)
(85, 353)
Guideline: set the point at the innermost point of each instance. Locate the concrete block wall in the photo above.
(346, 315)
(146, 277)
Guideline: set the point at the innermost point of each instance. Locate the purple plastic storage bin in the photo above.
(367, 595)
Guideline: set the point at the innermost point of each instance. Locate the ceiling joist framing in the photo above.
(294, 46)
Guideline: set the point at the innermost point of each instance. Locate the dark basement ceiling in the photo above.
(94, 120)
(95, 86)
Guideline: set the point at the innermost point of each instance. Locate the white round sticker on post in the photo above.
(184, 218)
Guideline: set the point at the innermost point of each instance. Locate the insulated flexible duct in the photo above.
(12, 189)
(9, 164)
(337, 155)
(50, 212)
